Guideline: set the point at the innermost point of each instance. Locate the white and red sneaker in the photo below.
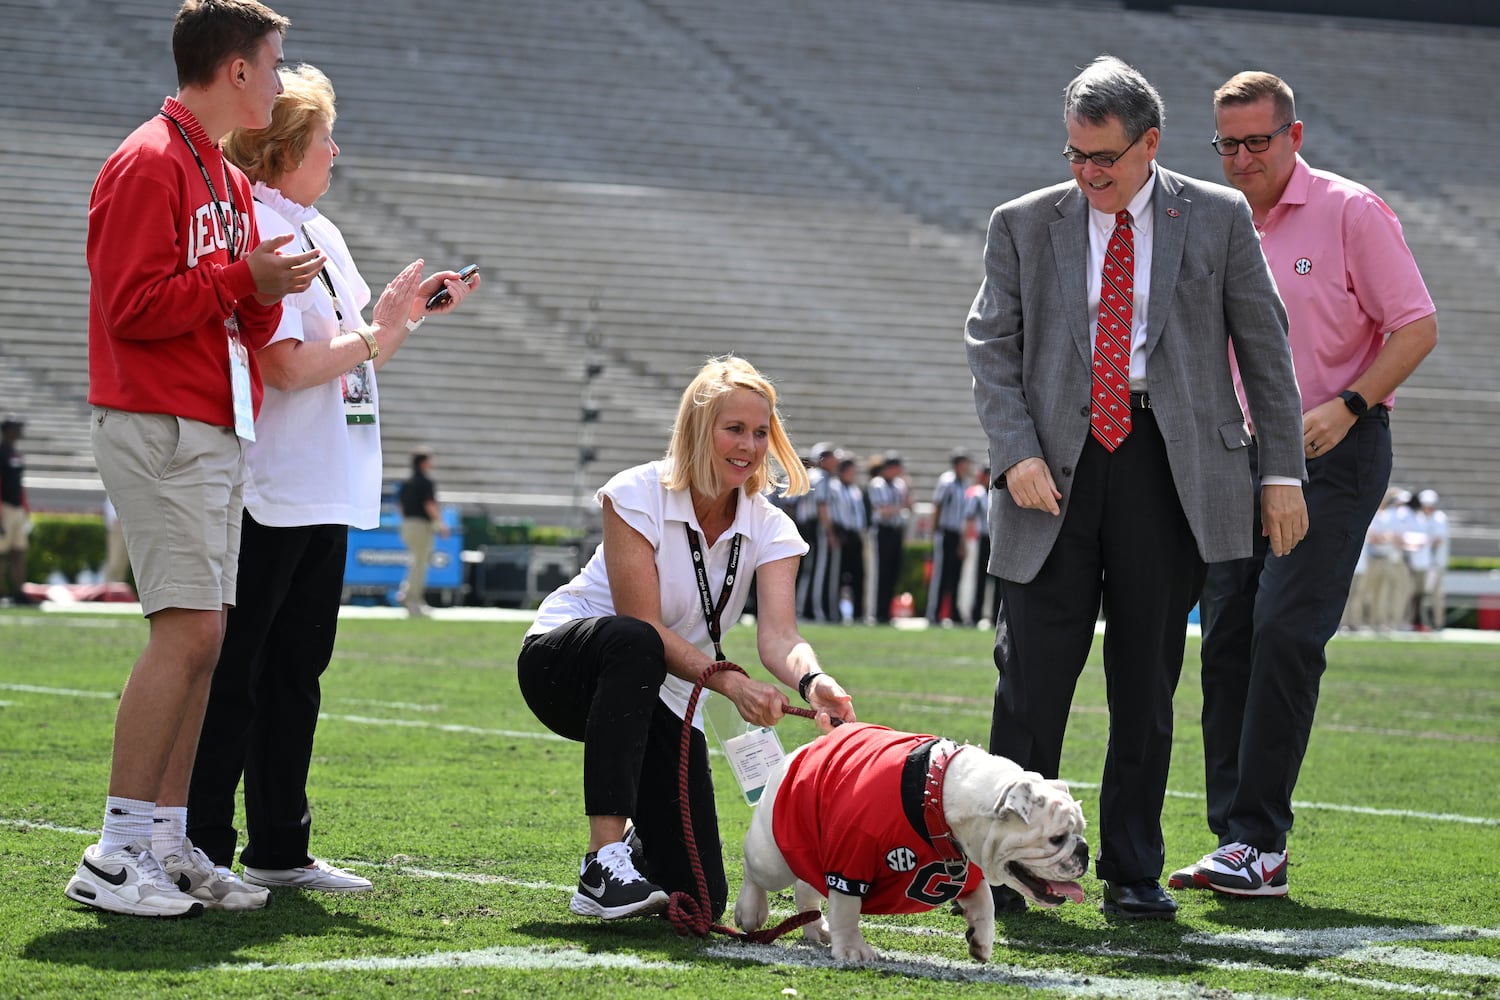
(1243, 870)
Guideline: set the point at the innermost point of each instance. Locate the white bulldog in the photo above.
(880, 821)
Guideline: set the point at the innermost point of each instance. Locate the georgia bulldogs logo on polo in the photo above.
(902, 859)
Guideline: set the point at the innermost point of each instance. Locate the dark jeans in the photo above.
(596, 681)
(263, 705)
(1266, 623)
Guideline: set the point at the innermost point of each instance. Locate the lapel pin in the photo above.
(1172, 213)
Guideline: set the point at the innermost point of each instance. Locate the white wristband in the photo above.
(412, 327)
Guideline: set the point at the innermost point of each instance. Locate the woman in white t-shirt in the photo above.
(313, 471)
(614, 654)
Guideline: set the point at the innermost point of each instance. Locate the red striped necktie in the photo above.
(1109, 416)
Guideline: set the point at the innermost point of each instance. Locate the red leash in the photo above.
(690, 915)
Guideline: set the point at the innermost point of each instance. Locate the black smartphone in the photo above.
(441, 296)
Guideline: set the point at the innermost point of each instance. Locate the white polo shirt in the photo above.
(767, 534)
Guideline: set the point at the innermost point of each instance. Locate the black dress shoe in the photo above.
(1141, 900)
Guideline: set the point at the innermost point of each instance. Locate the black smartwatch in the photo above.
(1355, 402)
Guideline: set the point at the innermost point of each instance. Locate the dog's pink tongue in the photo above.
(1068, 890)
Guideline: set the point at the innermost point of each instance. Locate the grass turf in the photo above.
(431, 777)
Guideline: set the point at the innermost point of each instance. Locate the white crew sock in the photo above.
(125, 821)
(168, 831)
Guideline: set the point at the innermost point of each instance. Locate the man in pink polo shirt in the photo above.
(1360, 322)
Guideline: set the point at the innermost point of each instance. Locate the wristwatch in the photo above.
(1355, 402)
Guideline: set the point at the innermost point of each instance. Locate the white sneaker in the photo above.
(1244, 870)
(217, 886)
(129, 880)
(317, 875)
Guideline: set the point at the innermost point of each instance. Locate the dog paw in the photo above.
(817, 932)
(856, 950)
(981, 940)
(751, 910)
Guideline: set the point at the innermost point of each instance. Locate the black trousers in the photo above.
(982, 608)
(889, 542)
(263, 705)
(1126, 543)
(812, 574)
(947, 564)
(596, 681)
(1266, 625)
(851, 571)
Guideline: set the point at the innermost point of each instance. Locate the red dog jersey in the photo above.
(849, 819)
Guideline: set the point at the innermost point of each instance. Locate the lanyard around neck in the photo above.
(230, 233)
(327, 281)
(712, 611)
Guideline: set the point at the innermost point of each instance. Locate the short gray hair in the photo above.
(1109, 88)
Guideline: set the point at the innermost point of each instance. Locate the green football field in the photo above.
(432, 778)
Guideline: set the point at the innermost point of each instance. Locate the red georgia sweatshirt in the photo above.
(161, 279)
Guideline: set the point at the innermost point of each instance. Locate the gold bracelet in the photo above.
(370, 342)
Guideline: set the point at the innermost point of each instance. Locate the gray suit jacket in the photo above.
(1030, 342)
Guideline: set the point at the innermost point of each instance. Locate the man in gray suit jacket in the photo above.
(1122, 502)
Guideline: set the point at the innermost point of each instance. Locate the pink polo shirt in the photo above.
(1347, 277)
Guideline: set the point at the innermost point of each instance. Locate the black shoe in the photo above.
(1144, 899)
(610, 887)
(1008, 900)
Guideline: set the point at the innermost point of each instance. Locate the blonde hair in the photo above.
(266, 154)
(690, 453)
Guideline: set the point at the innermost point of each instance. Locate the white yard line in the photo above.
(531, 958)
(1372, 946)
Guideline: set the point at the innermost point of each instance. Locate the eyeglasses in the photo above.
(1254, 143)
(1077, 157)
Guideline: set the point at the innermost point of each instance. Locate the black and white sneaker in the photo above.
(610, 887)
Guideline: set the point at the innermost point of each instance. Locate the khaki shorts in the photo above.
(178, 486)
(13, 520)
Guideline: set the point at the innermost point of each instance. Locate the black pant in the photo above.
(263, 705)
(889, 542)
(1126, 542)
(596, 680)
(1266, 625)
(851, 571)
(984, 609)
(947, 564)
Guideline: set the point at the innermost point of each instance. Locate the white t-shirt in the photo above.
(307, 465)
(767, 534)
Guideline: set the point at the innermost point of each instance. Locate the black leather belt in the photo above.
(1140, 401)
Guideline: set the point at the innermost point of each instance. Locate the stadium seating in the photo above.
(646, 183)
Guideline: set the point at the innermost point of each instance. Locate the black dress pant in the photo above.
(890, 540)
(851, 571)
(982, 608)
(263, 705)
(947, 565)
(1125, 543)
(597, 681)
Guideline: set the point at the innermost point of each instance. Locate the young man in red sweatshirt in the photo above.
(182, 294)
